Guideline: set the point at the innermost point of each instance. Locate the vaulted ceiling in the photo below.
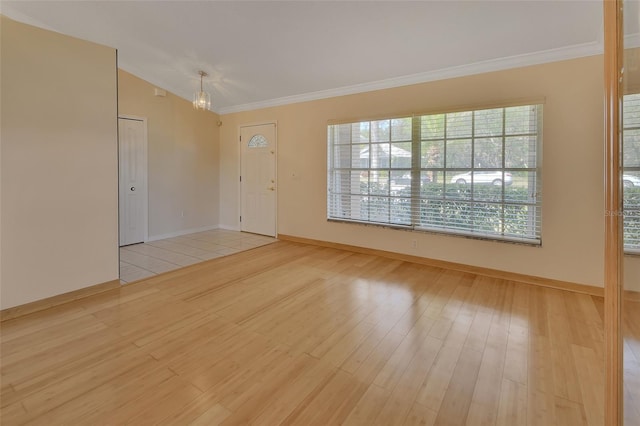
(261, 53)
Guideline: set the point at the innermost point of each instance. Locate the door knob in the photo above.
(133, 188)
(271, 188)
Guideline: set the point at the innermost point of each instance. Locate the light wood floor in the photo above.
(296, 334)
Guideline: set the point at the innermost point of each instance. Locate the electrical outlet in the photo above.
(414, 244)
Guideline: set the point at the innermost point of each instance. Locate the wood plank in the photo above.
(400, 402)
(295, 394)
(512, 410)
(516, 358)
(569, 412)
(368, 407)
(420, 415)
(632, 363)
(486, 394)
(591, 384)
(329, 404)
(434, 388)
(247, 405)
(454, 408)
(212, 417)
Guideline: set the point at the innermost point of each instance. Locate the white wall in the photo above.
(58, 164)
(572, 214)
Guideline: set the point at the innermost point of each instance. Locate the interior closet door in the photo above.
(132, 142)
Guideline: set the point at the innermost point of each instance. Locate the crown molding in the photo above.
(552, 55)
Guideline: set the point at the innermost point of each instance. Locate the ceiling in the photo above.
(263, 53)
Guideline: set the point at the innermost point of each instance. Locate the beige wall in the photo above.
(58, 164)
(183, 147)
(573, 191)
(632, 273)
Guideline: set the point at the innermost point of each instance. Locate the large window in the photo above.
(474, 173)
(631, 171)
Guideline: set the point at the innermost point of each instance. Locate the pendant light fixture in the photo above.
(202, 99)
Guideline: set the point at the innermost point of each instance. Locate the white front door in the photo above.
(258, 185)
(133, 180)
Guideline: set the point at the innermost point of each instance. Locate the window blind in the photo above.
(472, 173)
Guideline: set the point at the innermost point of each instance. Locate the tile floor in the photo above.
(143, 260)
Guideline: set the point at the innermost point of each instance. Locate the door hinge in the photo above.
(240, 138)
(240, 178)
(240, 218)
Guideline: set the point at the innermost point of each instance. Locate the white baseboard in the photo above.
(182, 232)
(229, 227)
